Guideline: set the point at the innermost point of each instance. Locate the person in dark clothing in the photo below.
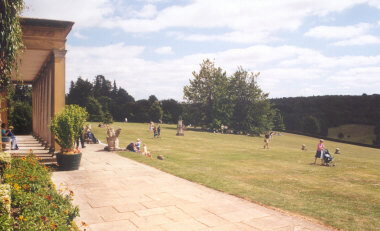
(159, 130)
(80, 138)
(155, 132)
(266, 141)
(131, 147)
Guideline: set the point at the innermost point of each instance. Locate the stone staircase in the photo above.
(26, 143)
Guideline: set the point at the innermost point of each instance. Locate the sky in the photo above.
(151, 47)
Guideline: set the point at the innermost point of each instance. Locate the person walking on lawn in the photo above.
(319, 153)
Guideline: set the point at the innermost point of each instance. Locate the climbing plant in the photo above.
(10, 40)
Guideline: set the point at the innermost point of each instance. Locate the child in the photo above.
(145, 151)
(138, 144)
(266, 141)
(155, 132)
(159, 130)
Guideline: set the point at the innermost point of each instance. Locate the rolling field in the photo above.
(359, 133)
(346, 196)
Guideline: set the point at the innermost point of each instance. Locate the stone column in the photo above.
(58, 86)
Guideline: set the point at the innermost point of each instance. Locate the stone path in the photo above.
(116, 193)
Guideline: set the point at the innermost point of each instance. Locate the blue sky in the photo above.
(300, 47)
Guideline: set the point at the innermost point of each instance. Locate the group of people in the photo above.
(136, 147)
(84, 134)
(156, 130)
(6, 134)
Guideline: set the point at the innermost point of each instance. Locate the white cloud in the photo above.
(85, 13)
(308, 73)
(359, 41)
(246, 20)
(164, 50)
(148, 11)
(243, 21)
(374, 3)
(78, 35)
(338, 32)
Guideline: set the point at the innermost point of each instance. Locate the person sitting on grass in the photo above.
(319, 153)
(138, 144)
(131, 147)
(145, 151)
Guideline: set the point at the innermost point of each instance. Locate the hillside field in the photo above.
(359, 133)
(346, 196)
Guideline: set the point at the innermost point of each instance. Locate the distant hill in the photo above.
(327, 112)
(358, 133)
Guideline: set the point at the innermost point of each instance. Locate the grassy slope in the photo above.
(346, 196)
(359, 133)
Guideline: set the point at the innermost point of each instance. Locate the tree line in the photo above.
(212, 99)
(316, 114)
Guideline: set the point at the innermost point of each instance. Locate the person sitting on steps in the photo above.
(4, 137)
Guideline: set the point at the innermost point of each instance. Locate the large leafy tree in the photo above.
(236, 101)
(208, 89)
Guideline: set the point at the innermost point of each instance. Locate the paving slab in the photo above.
(117, 193)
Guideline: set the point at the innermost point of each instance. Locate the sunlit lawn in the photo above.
(346, 196)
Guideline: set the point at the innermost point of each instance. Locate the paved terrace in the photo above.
(116, 193)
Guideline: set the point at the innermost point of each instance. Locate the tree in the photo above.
(20, 117)
(155, 111)
(236, 101)
(278, 121)
(19, 101)
(79, 92)
(152, 99)
(171, 110)
(102, 86)
(311, 125)
(10, 39)
(95, 110)
(142, 111)
(252, 112)
(377, 133)
(207, 89)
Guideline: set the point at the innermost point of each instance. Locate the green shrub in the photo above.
(20, 116)
(36, 203)
(67, 126)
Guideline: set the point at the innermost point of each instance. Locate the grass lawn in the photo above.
(346, 196)
(359, 133)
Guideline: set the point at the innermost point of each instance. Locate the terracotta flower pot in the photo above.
(68, 162)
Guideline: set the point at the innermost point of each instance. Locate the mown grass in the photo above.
(346, 196)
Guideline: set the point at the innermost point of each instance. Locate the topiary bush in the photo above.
(67, 126)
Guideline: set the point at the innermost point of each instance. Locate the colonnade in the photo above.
(48, 97)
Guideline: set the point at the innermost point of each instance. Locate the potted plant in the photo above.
(67, 127)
